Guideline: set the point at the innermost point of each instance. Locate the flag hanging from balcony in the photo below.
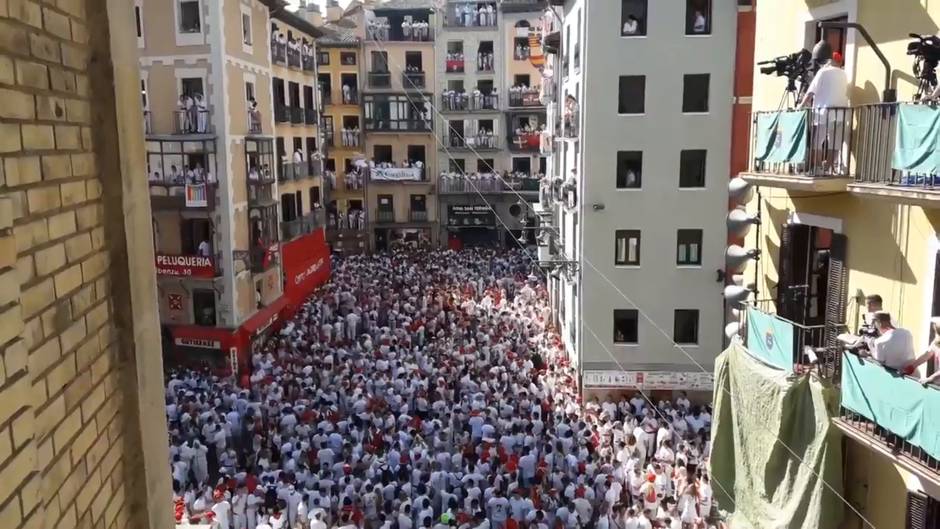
(917, 146)
(781, 137)
(770, 339)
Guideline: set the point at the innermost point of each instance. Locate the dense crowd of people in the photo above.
(429, 389)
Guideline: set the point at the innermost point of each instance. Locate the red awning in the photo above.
(203, 337)
(265, 318)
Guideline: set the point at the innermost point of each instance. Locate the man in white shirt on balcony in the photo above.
(828, 96)
(894, 346)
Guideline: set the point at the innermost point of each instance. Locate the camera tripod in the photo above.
(792, 95)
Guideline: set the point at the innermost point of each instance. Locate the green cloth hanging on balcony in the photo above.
(898, 404)
(770, 339)
(781, 136)
(755, 476)
(917, 146)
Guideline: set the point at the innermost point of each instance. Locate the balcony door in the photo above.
(812, 285)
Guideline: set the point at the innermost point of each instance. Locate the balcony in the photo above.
(384, 216)
(528, 98)
(521, 53)
(571, 125)
(415, 124)
(291, 229)
(179, 195)
(892, 414)
(314, 168)
(380, 79)
(310, 116)
(326, 98)
(254, 122)
(288, 172)
(468, 102)
(454, 66)
(478, 142)
(802, 150)
(791, 341)
(309, 63)
(296, 115)
(278, 53)
(327, 135)
(293, 58)
(264, 258)
(467, 16)
(885, 169)
(412, 80)
(281, 113)
(380, 29)
(526, 142)
(351, 97)
(487, 183)
(418, 215)
(397, 175)
(352, 138)
(194, 120)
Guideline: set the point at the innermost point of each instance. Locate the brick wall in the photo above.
(70, 439)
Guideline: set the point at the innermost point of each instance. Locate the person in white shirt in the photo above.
(631, 26)
(828, 96)
(699, 23)
(894, 346)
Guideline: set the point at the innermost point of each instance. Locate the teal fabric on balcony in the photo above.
(762, 414)
(781, 136)
(917, 148)
(898, 404)
(770, 339)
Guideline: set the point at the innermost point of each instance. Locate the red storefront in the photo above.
(306, 266)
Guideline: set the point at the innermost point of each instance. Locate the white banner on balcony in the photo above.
(648, 380)
(396, 174)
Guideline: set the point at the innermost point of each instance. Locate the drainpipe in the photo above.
(890, 94)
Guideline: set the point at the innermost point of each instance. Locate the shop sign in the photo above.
(202, 343)
(470, 216)
(648, 380)
(184, 266)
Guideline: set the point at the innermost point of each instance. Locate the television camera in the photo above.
(926, 52)
(797, 68)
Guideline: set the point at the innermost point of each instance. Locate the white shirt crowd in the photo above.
(428, 389)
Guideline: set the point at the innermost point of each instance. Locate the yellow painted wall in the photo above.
(874, 486)
(396, 63)
(889, 245)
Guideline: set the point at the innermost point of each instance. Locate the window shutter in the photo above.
(837, 292)
(784, 274)
(916, 511)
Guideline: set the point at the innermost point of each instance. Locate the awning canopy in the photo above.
(265, 318)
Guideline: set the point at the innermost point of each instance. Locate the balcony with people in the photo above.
(192, 115)
(259, 164)
(289, 171)
(470, 14)
(526, 132)
(454, 183)
(459, 137)
(400, 25)
(181, 174)
(464, 101)
(525, 96)
(303, 224)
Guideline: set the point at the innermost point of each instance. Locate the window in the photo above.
(689, 247)
(191, 86)
(458, 165)
(382, 153)
(140, 27)
(632, 97)
(632, 18)
(418, 203)
(695, 92)
(629, 169)
(314, 197)
(685, 329)
(627, 248)
(249, 91)
(385, 203)
(486, 165)
(413, 62)
(379, 61)
(288, 207)
(698, 17)
(625, 326)
(204, 307)
(246, 28)
(396, 113)
(522, 79)
(323, 58)
(692, 168)
(190, 18)
(347, 58)
(143, 94)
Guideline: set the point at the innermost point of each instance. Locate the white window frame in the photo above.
(698, 249)
(139, 10)
(188, 39)
(249, 46)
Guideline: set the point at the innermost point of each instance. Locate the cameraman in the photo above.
(828, 96)
(893, 347)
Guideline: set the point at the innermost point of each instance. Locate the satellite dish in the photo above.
(740, 221)
(737, 257)
(735, 294)
(740, 191)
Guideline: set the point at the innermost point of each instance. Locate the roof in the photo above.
(336, 35)
(279, 12)
(404, 4)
